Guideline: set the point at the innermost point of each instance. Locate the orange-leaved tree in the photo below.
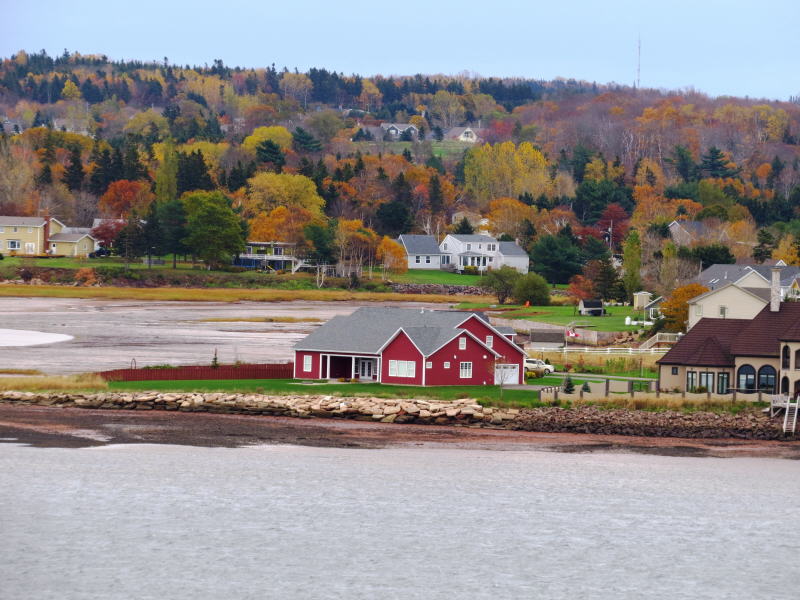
(392, 255)
(124, 196)
(676, 307)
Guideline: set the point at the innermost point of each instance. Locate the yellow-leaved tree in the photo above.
(392, 255)
(282, 224)
(676, 307)
(279, 135)
(787, 250)
(506, 170)
(266, 191)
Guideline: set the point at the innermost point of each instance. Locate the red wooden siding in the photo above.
(401, 348)
(299, 360)
(482, 368)
(269, 371)
(509, 351)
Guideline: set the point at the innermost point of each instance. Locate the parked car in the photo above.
(534, 364)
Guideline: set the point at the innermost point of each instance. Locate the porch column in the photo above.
(353, 369)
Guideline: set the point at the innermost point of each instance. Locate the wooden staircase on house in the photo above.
(790, 416)
(660, 338)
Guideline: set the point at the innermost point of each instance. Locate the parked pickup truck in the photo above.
(537, 367)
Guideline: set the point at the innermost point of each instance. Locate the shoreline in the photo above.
(67, 427)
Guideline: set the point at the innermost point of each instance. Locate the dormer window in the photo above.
(469, 246)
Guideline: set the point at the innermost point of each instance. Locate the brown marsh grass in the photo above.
(61, 383)
(224, 294)
(20, 372)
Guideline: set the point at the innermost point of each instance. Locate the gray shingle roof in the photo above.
(22, 221)
(716, 276)
(62, 236)
(369, 328)
(429, 339)
(419, 244)
(473, 238)
(511, 249)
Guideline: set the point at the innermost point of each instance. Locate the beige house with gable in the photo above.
(42, 236)
(728, 302)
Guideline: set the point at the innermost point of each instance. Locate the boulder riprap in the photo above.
(586, 419)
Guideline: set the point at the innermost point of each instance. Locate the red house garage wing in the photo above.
(404, 346)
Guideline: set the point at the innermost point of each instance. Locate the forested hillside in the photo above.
(565, 167)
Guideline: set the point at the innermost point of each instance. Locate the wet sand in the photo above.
(114, 334)
(79, 428)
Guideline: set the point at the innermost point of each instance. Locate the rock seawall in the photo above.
(439, 288)
(586, 419)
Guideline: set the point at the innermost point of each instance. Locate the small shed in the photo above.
(591, 308)
(641, 299)
(653, 309)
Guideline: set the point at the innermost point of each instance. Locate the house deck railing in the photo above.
(608, 350)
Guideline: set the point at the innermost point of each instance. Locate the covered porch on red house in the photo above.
(350, 366)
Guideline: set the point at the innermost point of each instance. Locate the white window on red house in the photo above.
(429, 365)
(489, 340)
(462, 343)
(446, 364)
(306, 363)
(402, 368)
(465, 371)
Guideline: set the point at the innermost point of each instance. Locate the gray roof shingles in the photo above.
(419, 244)
(369, 328)
(511, 249)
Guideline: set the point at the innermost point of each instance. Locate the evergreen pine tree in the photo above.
(167, 174)
(100, 177)
(305, 142)
(269, 152)
(714, 164)
(407, 155)
(74, 173)
(766, 244)
(569, 386)
(464, 227)
(132, 167)
(435, 196)
(172, 221)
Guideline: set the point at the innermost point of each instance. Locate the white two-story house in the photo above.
(482, 252)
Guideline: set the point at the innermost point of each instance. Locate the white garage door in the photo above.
(506, 374)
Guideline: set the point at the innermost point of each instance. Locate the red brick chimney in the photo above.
(46, 248)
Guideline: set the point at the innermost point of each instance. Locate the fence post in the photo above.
(759, 395)
(608, 386)
(658, 389)
(708, 394)
(555, 395)
(734, 394)
(581, 393)
(630, 387)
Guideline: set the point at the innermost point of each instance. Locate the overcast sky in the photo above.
(732, 47)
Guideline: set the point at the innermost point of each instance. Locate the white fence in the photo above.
(608, 350)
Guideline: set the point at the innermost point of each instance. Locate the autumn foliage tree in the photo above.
(123, 196)
(676, 308)
(392, 254)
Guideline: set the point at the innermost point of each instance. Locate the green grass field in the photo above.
(564, 315)
(285, 387)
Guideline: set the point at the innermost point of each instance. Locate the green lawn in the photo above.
(67, 262)
(435, 276)
(485, 394)
(562, 315)
(558, 380)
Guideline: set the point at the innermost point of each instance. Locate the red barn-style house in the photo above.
(413, 347)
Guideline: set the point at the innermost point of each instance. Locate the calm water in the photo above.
(169, 522)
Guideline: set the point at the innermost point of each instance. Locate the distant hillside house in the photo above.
(483, 252)
(412, 347)
(394, 131)
(277, 256)
(462, 134)
(641, 299)
(41, 236)
(686, 233)
(422, 251)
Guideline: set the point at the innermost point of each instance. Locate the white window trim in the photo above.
(417, 259)
(446, 364)
(489, 341)
(14, 247)
(462, 343)
(429, 365)
(465, 370)
(307, 360)
(402, 368)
